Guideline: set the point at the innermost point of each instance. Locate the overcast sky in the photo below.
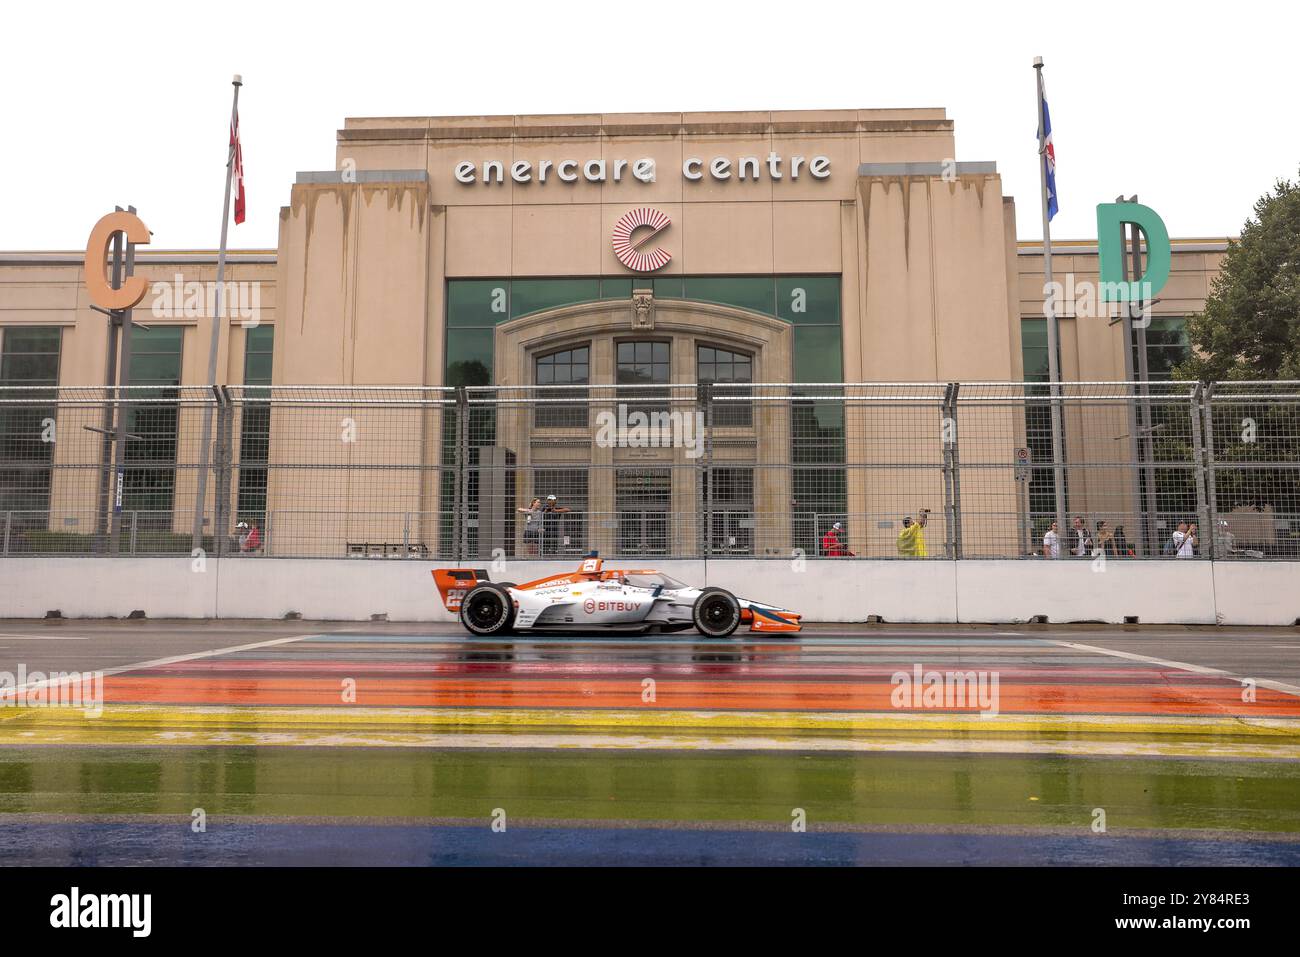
(1190, 105)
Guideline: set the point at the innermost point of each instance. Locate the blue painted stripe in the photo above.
(91, 843)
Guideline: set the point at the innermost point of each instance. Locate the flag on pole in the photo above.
(1045, 147)
(237, 170)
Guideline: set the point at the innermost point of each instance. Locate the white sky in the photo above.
(1190, 105)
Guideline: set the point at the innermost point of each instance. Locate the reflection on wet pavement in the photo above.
(383, 748)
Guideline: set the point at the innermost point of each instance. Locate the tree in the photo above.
(1250, 328)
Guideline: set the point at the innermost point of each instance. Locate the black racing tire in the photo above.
(487, 610)
(716, 613)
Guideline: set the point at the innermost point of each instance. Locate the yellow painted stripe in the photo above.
(24, 725)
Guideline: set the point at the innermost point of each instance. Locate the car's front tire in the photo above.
(716, 613)
(487, 610)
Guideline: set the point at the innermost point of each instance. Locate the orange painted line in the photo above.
(1164, 699)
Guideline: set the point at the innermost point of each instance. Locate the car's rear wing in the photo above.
(454, 583)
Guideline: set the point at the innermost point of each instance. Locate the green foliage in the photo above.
(1250, 328)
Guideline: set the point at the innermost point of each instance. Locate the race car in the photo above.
(596, 599)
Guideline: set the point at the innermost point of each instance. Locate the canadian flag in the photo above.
(237, 171)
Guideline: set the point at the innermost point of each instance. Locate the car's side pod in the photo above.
(454, 583)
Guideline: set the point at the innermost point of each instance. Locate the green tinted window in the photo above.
(742, 292)
(469, 357)
(31, 339)
(1167, 346)
(809, 300)
(1033, 349)
(534, 295)
(477, 302)
(30, 356)
(616, 289)
(156, 355)
(818, 354)
(257, 355)
(670, 287)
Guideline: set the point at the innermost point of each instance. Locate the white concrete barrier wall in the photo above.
(1258, 593)
(1168, 592)
(1165, 592)
(847, 589)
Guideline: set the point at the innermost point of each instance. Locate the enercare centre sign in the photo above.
(745, 168)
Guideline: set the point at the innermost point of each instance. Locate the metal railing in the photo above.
(709, 470)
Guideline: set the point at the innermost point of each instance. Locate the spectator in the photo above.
(532, 526)
(832, 547)
(911, 540)
(1105, 542)
(1121, 543)
(1225, 543)
(1052, 542)
(551, 523)
(1080, 540)
(250, 540)
(1184, 540)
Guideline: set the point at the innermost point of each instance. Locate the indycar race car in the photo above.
(592, 598)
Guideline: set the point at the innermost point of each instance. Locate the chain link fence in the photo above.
(911, 471)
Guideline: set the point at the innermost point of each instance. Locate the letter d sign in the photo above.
(1110, 251)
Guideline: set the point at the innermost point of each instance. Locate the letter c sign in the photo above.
(629, 253)
(133, 289)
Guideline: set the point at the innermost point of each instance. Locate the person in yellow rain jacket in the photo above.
(911, 540)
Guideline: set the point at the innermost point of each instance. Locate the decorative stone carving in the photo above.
(643, 309)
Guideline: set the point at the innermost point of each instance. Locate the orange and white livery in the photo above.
(593, 598)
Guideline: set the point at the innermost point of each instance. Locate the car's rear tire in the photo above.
(716, 613)
(487, 610)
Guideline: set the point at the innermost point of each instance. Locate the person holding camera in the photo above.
(911, 540)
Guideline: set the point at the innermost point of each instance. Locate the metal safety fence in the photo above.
(648, 470)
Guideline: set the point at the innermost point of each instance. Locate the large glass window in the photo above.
(469, 357)
(643, 363)
(565, 368)
(818, 356)
(29, 356)
(1038, 424)
(810, 303)
(255, 425)
(534, 295)
(732, 372)
(643, 498)
(731, 509)
(809, 300)
(149, 483)
(1167, 345)
(744, 292)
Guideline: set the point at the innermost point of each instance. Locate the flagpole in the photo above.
(1049, 310)
(205, 447)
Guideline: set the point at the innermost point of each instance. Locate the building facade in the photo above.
(553, 257)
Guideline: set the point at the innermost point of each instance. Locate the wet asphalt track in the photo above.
(245, 720)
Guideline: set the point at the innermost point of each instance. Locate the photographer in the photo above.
(911, 540)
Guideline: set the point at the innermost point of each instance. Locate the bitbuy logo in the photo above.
(74, 910)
